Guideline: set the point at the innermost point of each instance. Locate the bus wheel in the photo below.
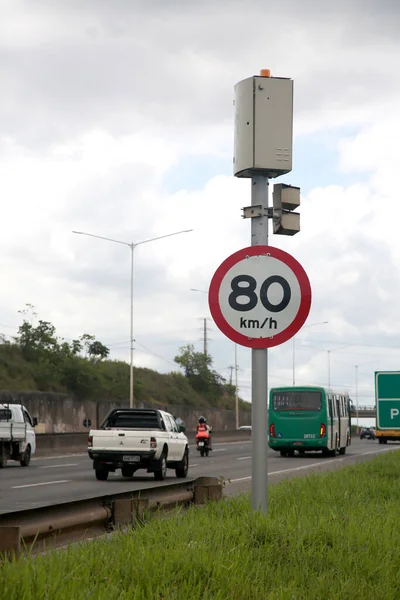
(326, 452)
(283, 453)
(342, 450)
(301, 452)
(290, 453)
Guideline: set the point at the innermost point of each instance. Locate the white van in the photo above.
(17, 434)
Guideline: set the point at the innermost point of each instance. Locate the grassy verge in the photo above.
(333, 535)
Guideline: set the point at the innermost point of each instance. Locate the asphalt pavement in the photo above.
(64, 478)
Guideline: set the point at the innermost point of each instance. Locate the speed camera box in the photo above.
(263, 126)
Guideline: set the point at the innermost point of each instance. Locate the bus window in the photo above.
(297, 400)
(329, 407)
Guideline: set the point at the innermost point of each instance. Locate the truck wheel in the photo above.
(3, 459)
(127, 472)
(25, 457)
(101, 474)
(183, 468)
(161, 472)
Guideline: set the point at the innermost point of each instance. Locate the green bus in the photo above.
(309, 418)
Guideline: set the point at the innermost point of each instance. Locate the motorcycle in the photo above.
(203, 442)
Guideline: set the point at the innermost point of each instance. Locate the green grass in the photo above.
(105, 380)
(333, 535)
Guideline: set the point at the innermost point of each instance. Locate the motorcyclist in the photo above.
(203, 426)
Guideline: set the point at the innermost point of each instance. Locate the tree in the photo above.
(57, 361)
(197, 369)
(37, 341)
(28, 312)
(94, 349)
(97, 350)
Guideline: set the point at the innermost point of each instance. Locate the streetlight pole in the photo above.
(294, 348)
(356, 370)
(329, 368)
(329, 360)
(132, 247)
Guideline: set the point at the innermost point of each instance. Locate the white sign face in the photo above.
(260, 296)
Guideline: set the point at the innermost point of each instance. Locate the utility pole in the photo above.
(230, 377)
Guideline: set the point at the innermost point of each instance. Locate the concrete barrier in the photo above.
(72, 443)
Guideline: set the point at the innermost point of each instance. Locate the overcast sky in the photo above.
(116, 118)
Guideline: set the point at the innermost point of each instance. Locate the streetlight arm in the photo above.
(161, 237)
(132, 247)
(100, 237)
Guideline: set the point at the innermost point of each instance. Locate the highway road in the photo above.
(58, 479)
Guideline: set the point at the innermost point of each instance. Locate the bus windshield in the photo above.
(296, 400)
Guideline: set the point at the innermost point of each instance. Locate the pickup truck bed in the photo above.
(17, 434)
(12, 432)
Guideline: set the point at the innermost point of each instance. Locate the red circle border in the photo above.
(298, 321)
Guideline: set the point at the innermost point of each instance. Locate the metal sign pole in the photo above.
(262, 149)
(259, 360)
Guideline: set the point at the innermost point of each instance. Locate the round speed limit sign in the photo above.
(260, 297)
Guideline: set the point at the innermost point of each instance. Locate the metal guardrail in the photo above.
(44, 528)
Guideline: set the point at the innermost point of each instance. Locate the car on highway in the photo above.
(134, 438)
(367, 433)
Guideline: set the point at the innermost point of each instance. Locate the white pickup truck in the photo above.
(134, 438)
(17, 434)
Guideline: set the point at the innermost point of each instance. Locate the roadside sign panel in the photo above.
(387, 395)
(260, 297)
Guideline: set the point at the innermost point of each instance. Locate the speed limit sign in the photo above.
(260, 297)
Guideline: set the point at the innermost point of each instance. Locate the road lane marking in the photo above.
(17, 487)
(244, 458)
(309, 466)
(318, 464)
(55, 466)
